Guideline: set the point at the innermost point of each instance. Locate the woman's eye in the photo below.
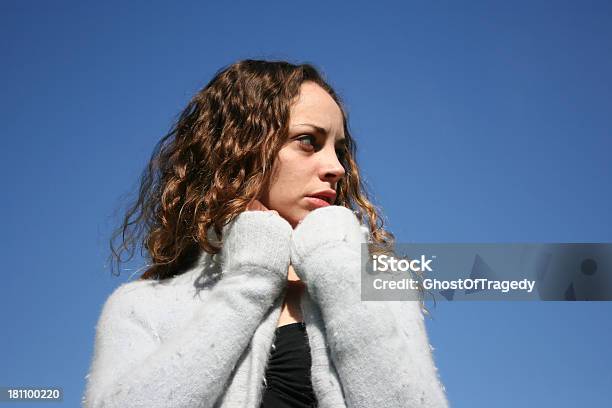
(307, 138)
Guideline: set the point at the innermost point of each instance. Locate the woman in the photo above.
(253, 207)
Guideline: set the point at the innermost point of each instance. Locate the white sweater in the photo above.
(203, 338)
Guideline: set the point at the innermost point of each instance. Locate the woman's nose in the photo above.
(331, 168)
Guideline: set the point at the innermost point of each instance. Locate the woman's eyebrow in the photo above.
(340, 142)
(317, 128)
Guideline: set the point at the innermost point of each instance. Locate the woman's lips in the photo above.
(317, 202)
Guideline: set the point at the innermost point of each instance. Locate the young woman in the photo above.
(254, 218)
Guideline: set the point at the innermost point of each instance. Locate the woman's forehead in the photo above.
(316, 108)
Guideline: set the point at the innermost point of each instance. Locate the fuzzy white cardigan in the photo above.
(203, 338)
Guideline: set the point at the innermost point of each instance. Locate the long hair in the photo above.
(215, 160)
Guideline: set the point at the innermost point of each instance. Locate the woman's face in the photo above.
(308, 164)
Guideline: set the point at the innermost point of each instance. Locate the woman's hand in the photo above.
(256, 205)
(323, 233)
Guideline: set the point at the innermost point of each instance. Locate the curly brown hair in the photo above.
(215, 160)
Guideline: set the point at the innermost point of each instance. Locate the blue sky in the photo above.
(475, 122)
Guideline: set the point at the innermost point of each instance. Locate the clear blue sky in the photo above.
(476, 122)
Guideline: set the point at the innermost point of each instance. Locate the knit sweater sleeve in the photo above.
(380, 348)
(131, 368)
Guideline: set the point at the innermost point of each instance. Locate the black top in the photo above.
(288, 371)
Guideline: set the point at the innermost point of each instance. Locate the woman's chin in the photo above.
(295, 215)
(296, 219)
